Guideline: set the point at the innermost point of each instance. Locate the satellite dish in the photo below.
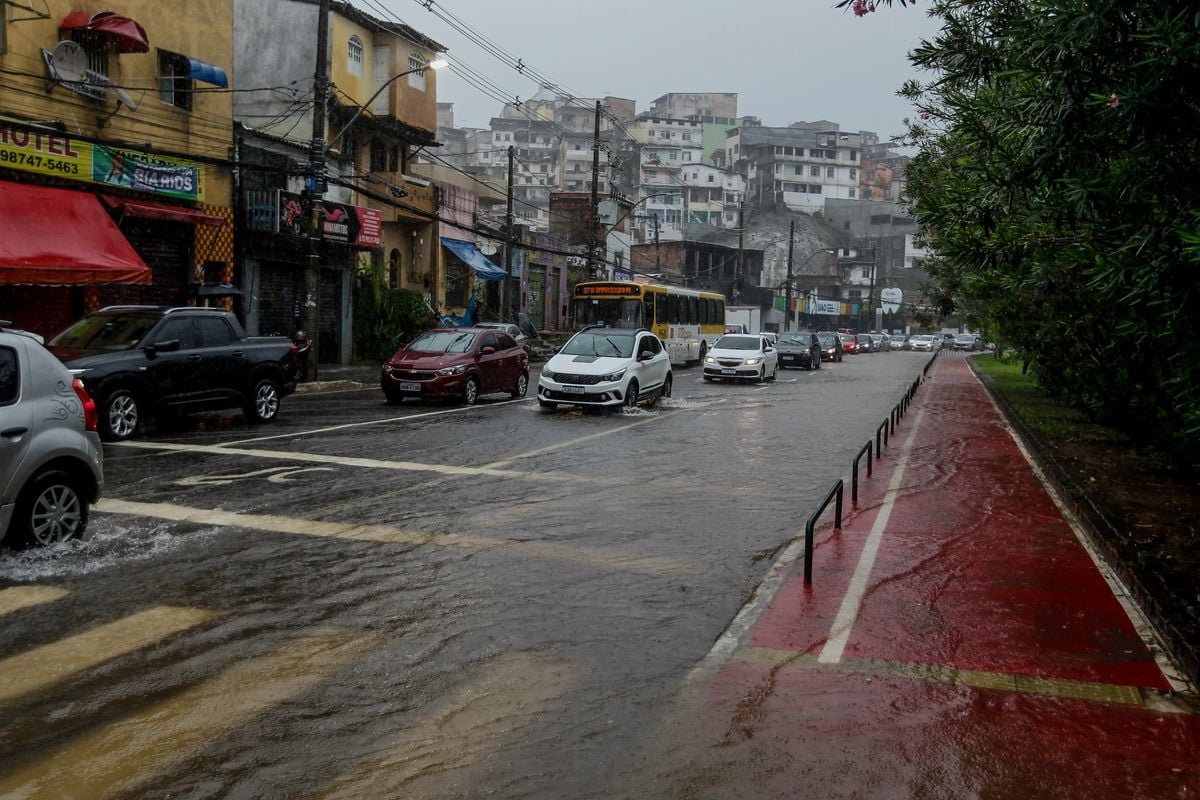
(69, 62)
(124, 99)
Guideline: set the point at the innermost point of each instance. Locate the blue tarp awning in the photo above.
(209, 73)
(471, 256)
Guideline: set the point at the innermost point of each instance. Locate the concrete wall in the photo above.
(273, 45)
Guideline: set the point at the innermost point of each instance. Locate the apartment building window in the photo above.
(174, 80)
(354, 56)
(854, 155)
(853, 174)
(379, 159)
(854, 296)
(710, 178)
(814, 188)
(814, 171)
(417, 79)
(799, 169)
(851, 192)
(870, 176)
(829, 172)
(687, 137)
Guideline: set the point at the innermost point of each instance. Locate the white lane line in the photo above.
(114, 759)
(384, 421)
(581, 439)
(847, 615)
(16, 598)
(51, 663)
(387, 534)
(345, 461)
(476, 723)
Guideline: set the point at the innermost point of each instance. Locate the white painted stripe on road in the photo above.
(16, 598)
(847, 615)
(581, 439)
(475, 723)
(114, 759)
(345, 461)
(43, 666)
(384, 421)
(388, 534)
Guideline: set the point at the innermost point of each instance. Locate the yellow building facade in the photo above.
(122, 113)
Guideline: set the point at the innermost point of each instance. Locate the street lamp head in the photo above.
(438, 62)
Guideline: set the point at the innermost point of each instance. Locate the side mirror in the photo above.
(554, 351)
(165, 346)
(486, 351)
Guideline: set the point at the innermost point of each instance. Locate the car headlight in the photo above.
(612, 376)
(547, 374)
(459, 370)
(709, 360)
(750, 362)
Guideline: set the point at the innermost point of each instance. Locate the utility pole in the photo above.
(593, 242)
(657, 263)
(508, 243)
(787, 308)
(738, 269)
(871, 297)
(315, 186)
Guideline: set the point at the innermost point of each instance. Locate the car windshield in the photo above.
(964, 337)
(846, 337)
(795, 338)
(614, 345)
(862, 337)
(443, 342)
(106, 332)
(921, 338)
(738, 343)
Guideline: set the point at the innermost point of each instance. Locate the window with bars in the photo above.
(174, 80)
(354, 56)
(416, 79)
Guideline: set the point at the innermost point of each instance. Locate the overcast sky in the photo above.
(788, 60)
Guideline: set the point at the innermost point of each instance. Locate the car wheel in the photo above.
(121, 416)
(471, 390)
(52, 508)
(631, 394)
(664, 391)
(393, 399)
(263, 404)
(775, 371)
(522, 386)
(762, 375)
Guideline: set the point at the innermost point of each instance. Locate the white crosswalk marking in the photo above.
(114, 759)
(16, 598)
(46, 665)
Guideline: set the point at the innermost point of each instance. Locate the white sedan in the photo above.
(742, 356)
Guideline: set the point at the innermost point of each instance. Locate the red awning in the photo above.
(127, 35)
(148, 210)
(57, 237)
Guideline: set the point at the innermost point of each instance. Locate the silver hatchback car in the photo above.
(51, 462)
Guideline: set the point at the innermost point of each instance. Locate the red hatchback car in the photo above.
(457, 364)
(849, 343)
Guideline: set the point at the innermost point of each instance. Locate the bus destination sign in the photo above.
(609, 290)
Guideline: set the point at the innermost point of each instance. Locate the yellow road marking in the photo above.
(387, 534)
(114, 758)
(46, 665)
(463, 732)
(17, 597)
(976, 679)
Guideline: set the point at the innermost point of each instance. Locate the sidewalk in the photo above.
(958, 640)
(341, 376)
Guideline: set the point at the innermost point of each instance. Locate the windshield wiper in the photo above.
(615, 347)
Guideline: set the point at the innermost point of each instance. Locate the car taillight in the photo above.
(295, 351)
(91, 420)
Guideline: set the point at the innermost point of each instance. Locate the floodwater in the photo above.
(423, 601)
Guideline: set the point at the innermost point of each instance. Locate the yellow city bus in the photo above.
(687, 321)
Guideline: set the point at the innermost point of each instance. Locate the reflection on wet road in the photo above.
(424, 601)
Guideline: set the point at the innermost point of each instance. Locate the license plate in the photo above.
(729, 372)
(410, 387)
(789, 358)
(573, 390)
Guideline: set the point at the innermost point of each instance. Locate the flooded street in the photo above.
(427, 601)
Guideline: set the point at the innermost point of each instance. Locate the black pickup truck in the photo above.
(139, 361)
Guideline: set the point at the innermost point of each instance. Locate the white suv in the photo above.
(50, 458)
(601, 367)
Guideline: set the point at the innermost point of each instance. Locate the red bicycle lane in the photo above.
(958, 640)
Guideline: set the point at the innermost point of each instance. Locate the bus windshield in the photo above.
(613, 313)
